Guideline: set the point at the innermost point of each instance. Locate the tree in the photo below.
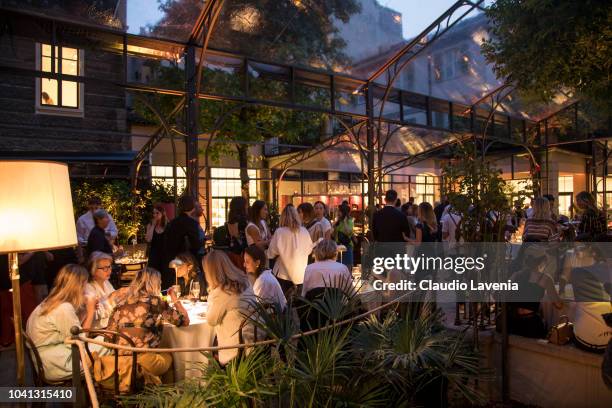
(548, 46)
(289, 31)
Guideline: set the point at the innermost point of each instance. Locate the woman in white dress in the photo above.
(265, 285)
(257, 231)
(290, 246)
(50, 323)
(100, 288)
(229, 303)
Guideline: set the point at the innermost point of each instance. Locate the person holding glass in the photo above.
(100, 288)
(188, 274)
(155, 236)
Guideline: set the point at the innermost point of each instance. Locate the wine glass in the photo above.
(177, 290)
(195, 290)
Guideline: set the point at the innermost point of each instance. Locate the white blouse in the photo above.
(291, 250)
(319, 229)
(105, 305)
(267, 288)
(327, 273)
(263, 231)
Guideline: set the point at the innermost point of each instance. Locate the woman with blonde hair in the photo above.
(540, 227)
(100, 288)
(140, 314)
(290, 245)
(326, 272)
(229, 298)
(50, 323)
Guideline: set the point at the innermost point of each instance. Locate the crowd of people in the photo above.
(248, 262)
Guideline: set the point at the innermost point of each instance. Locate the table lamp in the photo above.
(174, 264)
(36, 214)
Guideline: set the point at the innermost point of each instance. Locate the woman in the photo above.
(265, 285)
(237, 222)
(155, 236)
(99, 287)
(325, 227)
(344, 234)
(50, 323)
(257, 231)
(140, 314)
(307, 217)
(427, 227)
(291, 245)
(188, 272)
(229, 300)
(540, 227)
(326, 272)
(593, 223)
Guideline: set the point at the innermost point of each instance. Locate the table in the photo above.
(197, 334)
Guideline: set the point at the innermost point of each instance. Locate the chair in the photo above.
(38, 371)
(113, 336)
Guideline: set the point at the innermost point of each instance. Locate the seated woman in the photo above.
(524, 317)
(189, 272)
(325, 272)
(140, 313)
(50, 323)
(99, 287)
(229, 303)
(265, 285)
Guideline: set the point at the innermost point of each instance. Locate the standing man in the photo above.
(389, 224)
(86, 223)
(98, 239)
(181, 235)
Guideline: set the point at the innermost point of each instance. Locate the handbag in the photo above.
(562, 332)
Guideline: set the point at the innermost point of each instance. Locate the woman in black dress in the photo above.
(427, 227)
(237, 221)
(155, 236)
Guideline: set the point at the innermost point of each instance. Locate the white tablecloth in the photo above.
(197, 334)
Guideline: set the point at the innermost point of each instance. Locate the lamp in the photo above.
(35, 214)
(175, 264)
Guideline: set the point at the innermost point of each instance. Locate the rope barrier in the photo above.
(241, 345)
(88, 380)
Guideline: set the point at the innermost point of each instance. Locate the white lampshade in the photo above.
(35, 206)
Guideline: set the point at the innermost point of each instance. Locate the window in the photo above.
(425, 189)
(608, 192)
(566, 195)
(225, 185)
(59, 95)
(520, 190)
(451, 63)
(163, 175)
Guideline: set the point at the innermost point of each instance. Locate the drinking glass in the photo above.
(177, 290)
(195, 290)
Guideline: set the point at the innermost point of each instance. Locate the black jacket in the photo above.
(97, 242)
(181, 235)
(388, 224)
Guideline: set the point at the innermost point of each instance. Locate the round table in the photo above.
(197, 334)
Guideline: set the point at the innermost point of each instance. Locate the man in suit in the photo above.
(389, 224)
(181, 235)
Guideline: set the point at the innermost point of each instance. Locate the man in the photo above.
(450, 222)
(97, 239)
(181, 235)
(389, 224)
(85, 223)
(439, 210)
(198, 212)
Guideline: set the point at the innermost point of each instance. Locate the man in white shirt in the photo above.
(85, 223)
(450, 222)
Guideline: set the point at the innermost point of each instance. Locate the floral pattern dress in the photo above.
(142, 319)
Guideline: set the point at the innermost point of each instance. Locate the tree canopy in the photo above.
(548, 46)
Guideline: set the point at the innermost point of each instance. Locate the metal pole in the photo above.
(19, 350)
(191, 122)
(370, 147)
(76, 368)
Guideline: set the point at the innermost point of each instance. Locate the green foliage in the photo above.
(372, 363)
(548, 46)
(130, 211)
(476, 190)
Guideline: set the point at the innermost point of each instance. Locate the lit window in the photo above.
(163, 175)
(225, 185)
(59, 94)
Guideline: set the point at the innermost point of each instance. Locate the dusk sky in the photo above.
(416, 14)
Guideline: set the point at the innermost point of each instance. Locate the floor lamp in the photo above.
(35, 214)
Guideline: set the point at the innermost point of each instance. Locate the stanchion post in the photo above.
(76, 368)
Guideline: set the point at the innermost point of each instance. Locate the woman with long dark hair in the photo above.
(344, 234)
(257, 231)
(427, 227)
(593, 222)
